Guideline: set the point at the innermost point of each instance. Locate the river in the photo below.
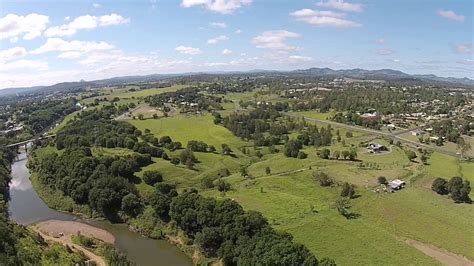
(26, 207)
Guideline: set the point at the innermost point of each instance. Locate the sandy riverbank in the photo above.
(69, 228)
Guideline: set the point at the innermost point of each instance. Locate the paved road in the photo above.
(378, 133)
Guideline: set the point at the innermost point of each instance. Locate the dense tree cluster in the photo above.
(452, 129)
(18, 246)
(100, 182)
(42, 115)
(455, 187)
(353, 118)
(223, 229)
(245, 125)
(94, 128)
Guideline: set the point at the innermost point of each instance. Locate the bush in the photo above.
(439, 186)
(222, 185)
(323, 179)
(207, 182)
(348, 190)
(151, 177)
(382, 180)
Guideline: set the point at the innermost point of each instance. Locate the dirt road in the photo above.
(443, 256)
(66, 241)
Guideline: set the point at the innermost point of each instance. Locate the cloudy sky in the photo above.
(45, 42)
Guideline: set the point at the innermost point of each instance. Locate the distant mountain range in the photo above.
(357, 73)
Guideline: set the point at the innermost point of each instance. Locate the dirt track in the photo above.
(50, 230)
(443, 256)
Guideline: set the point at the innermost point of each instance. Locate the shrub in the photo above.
(152, 177)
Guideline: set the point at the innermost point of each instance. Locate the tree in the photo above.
(324, 153)
(151, 177)
(131, 205)
(259, 154)
(348, 190)
(222, 185)
(323, 179)
(348, 134)
(268, 170)
(175, 160)
(292, 148)
(207, 182)
(336, 155)
(343, 205)
(155, 116)
(382, 180)
(410, 154)
(140, 117)
(243, 171)
(463, 146)
(302, 155)
(226, 149)
(440, 186)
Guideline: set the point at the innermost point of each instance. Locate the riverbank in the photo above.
(49, 232)
(145, 225)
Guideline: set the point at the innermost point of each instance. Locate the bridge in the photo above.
(25, 143)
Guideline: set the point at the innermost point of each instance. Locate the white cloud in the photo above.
(380, 41)
(13, 39)
(220, 38)
(341, 5)
(96, 5)
(221, 25)
(465, 48)
(275, 40)
(298, 58)
(112, 19)
(227, 52)
(466, 62)
(324, 18)
(29, 26)
(70, 55)
(67, 18)
(239, 31)
(218, 6)
(24, 65)
(384, 51)
(12, 53)
(188, 50)
(451, 15)
(60, 45)
(85, 22)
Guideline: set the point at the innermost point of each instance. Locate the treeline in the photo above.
(386, 100)
(353, 118)
(455, 187)
(100, 182)
(188, 99)
(452, 129)
(18, 246)
(223, 229)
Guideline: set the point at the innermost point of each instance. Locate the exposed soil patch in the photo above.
(443, 256)
(67, 228)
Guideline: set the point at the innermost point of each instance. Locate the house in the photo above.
(417, 132)
(397, 184)
(375, 147)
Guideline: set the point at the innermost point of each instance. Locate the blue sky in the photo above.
(44, 42)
